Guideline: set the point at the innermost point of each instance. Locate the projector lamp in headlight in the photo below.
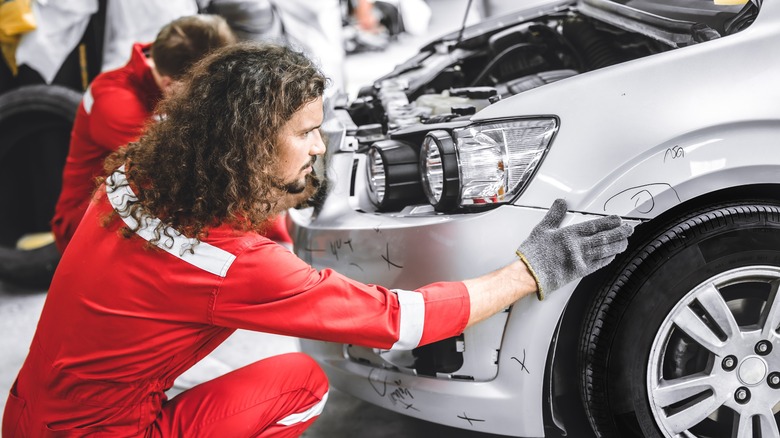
(439, 169)
(393, 175)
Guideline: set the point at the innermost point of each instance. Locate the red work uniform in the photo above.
(113, 112)
(122, 321)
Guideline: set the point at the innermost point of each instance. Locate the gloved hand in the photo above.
(555, 256)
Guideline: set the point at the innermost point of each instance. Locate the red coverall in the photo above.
(121, 322)
(113, 112)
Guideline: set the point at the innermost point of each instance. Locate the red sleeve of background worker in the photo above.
(269, 289)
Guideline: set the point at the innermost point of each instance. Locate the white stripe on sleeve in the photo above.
(200, 254)
(87, 100)
(412, 320)
(306, 415)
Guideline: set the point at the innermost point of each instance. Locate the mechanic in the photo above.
(168, 261)
(114, 110)
(119, 103)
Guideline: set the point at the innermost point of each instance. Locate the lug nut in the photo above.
(742, 395)
(773, 380)
(763, 348)
(729, 363)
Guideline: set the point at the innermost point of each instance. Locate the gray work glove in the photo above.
(555, 256)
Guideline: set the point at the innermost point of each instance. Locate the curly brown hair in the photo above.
(212, 158)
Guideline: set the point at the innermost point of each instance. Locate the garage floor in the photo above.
(344, 416)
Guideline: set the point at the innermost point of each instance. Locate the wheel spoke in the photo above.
(670, 392)
(743, 426)
(689, 322)
(768, 426)
(771, 317)
(712, 301)
(694, 414)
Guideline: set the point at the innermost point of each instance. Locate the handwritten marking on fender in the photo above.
(522, 363)
(641, 198)
(674, 152)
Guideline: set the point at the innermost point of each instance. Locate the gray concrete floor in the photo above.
(344, 416)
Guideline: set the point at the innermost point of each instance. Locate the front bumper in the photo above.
(410, 252)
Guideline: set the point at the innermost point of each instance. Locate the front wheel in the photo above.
(684, 342)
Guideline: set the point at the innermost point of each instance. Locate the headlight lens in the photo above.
(498, 159)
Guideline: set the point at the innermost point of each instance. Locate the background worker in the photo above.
(168, 261)
(114, 111)
(118, 105)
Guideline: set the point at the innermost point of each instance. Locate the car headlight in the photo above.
(498, 159)
(393, 174)
(485, 163)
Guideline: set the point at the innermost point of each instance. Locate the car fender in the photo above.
(687, 167)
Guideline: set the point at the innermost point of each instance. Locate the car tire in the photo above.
(692, 300)
(35, 122)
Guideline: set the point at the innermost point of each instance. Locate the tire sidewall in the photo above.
(36, 123)
(700, 252)
(53, 99)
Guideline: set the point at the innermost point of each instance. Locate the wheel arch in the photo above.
(562, 404)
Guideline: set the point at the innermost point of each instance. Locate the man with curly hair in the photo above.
(169, 261)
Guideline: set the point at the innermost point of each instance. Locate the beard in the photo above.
(302, 185)
(295, 187)
(299, 186)
(298, 193)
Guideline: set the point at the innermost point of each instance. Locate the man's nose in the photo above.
(318, 147)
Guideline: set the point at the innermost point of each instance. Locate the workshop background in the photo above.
(344, 416)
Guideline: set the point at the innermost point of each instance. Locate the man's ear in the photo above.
(167, 84)
(164, 82)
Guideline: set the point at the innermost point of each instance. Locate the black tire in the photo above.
(620, 342)
(35, 124)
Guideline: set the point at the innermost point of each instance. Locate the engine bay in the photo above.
(450, 79)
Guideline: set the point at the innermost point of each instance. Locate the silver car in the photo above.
(665, 112)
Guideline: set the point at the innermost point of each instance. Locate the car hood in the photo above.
(675, 22)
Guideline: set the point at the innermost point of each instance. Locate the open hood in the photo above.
(674, 22)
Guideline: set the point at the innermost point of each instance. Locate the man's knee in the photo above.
(304, 367)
